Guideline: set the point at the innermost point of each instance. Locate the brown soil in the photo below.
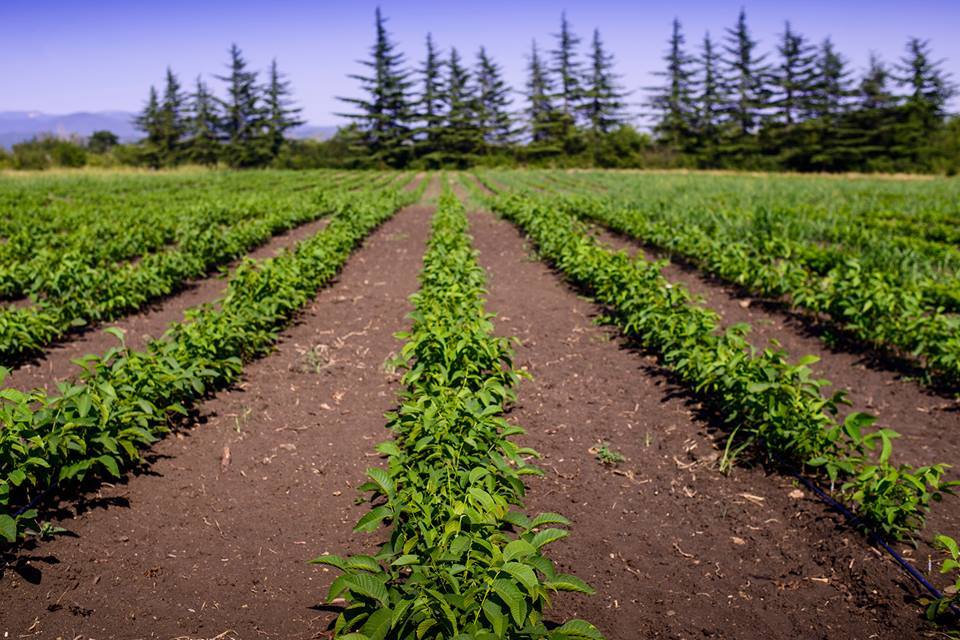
(56, 363)
(207, 543)
(674, 548)
(928, 422)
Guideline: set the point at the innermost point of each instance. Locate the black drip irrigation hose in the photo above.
(857, 522)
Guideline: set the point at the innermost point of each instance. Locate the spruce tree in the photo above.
(281, 116)
(566, 68)
(541, 112)
(493, 103)
(927, 88)
(832, 83)
(430, 104)
(674, 100)
(202, 145)
(603, 105)
(461, 137)
(793, 77)
(746, 82)
(171, 121)
(927, 85)
(874, 89)
(148, 121)
(244, 117)
(708, 100)
(831, 140)
(386, 112)
(872, 120)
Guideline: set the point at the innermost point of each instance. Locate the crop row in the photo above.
(870, 305)
(770, 405)
(460, 562)
(124, 400)
(822, 225)
(79, 293)
(45, 222)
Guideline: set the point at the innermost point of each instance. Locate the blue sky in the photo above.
(60, 56)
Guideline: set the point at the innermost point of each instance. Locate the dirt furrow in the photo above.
(213, 539)
(928, 422)
(674, 548)
(56, 363)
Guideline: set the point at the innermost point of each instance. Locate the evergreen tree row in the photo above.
(246, 128)
(727, 105)
(447, 111)
(801, 108)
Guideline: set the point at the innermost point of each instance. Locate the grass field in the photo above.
(521, 404)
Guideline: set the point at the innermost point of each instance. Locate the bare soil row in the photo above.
(212, 539)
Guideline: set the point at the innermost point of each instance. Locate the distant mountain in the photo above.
(313, 132)
(17, 126)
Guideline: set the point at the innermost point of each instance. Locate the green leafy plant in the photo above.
(461, 561)
(605, 455)
(125, 400)
(938, 608)
(775, 407)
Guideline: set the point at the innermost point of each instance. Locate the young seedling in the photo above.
(605, 455)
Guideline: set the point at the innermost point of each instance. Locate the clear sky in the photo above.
(61, 56)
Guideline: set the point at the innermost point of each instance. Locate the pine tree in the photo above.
(541, 112)
(831, 140)
(674, 100)
(746, 81)
(709, 100)
(202, 145)
(430, 104)
(171, 121)
(928, 86)
(244, 117)
(928, 89)
(603, 106)
(148, 121)
(566, 68)
(874, 91)
(493, 102)
(280, 115)
(873, 118)
(793, 78)
(386, 113)
(461, 137)
(831, 85)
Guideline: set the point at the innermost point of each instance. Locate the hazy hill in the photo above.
(16, 126)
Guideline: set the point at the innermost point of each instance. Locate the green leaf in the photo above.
(382, 480)
(524, 575)
(367, 585)
(333, 561)
(367, 563)
(548, 518)
(547, 536)
(16, 477)
(405, 560)
(371, 521)
(111, 465)
(577, 629)
(518, 549)
(8, 528)
(567, 582)
(494, 615)
(512, 597)
(378, 624)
